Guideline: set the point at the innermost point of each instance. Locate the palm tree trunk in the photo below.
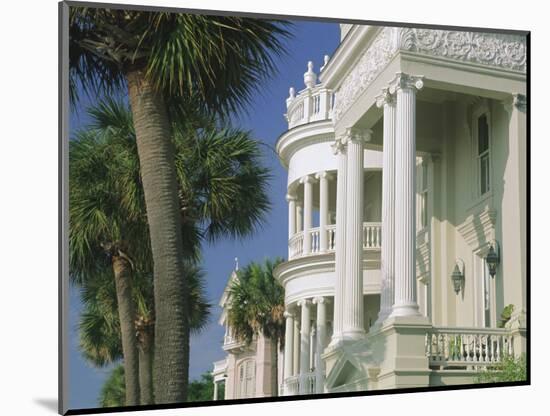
(146, 365)
(156, 158)
(274, 367)
(126, 313)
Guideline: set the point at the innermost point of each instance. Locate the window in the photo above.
(422, 195)
(485, 289)
(486, 296)
(483, 154)
(247, 379)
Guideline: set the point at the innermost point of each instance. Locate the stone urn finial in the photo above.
(310, 77)
(291, 93)
(291, 96)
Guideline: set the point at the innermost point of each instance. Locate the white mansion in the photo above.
(406, 216)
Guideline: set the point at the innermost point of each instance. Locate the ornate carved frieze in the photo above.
(493, 49)
(371, 63)
(496, 50)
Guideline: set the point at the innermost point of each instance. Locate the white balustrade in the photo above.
(331, 230)
(372, 235)
(372, 239)
(470, 348)
(317, 100)
(314, 235)
(296, 245)
(291, 385)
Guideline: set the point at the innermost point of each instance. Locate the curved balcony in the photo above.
(372, 240)
(310, 105)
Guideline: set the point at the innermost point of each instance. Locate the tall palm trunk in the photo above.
(274, 367)
(126, 313)
(145, 347)
(156, 158)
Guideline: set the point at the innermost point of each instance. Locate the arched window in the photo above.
(247, 379)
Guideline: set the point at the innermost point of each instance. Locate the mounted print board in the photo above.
(264, 208)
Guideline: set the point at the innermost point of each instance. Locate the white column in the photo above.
(289, 345)
(321, 342)
(215, 390)
(339, 149)
(405, 87)
(387, 101)
(291, 199)
(296, 349)
(304, 343)
(308, 211)
(353, 327)
(323, 210)
(299, 216)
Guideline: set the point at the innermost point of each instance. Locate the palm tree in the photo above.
(113, 391)
(100, 337)
(257, 307)
(106, 233)
(209, 62)
(222, 191)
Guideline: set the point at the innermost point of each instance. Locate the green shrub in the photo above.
(510, 369)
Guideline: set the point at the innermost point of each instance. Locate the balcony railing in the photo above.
(299, 384)
(467, 348)
(311, 104)
(372, 239)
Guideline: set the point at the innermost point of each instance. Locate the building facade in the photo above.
(247, 370)
(407, 261)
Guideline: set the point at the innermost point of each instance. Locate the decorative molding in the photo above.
(496, 50)
(479, 228)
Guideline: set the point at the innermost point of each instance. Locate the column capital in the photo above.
(304, 302)
(323, 175)
(405, 81)
(520, 101)
(339, 145)
(384, 98)
(288, 314)
(307, 179)
(291, 197)
(353, 134)
(320, 300)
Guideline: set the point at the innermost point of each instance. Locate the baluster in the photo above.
(379, 230)
(477, 348)
(499, 338)
(467, 336)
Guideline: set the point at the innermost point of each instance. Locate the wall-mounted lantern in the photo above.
(457, 276)
(493, 258)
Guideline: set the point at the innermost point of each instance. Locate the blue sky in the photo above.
(265, 119)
